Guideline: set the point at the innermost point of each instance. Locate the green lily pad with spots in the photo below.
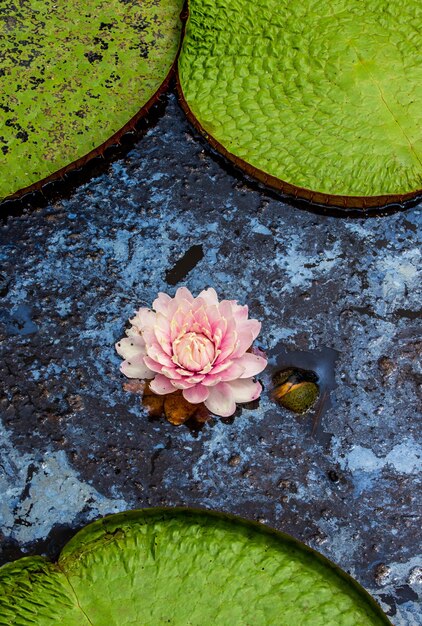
(75, 75)
(322, 100)
(184, 568)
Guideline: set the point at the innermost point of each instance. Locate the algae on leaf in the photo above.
(321, 100)
(184, 568)
(73, 74)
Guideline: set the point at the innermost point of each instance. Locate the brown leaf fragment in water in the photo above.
(177, 410)
(154, 405)
(202, 414)
(135, 386)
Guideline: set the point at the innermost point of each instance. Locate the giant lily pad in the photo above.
(317, 99)
(74, 75)
(182, 567)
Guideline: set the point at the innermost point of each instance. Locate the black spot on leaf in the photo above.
(93, 56)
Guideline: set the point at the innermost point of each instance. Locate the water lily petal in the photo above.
(209, 295)
(162, 323)
(162, 333)
(133, 331)
(172, 308)
(161, 303)
(156, 353)
(129, 347)
(183, 372)
(227, 347)
(196, 394)
(200, 323)
(240, 313)
(183, 293)
(244, 341)
(186, 383)
(226, 309)
(221, 367)
(193, 380)
(161, 385)
(221, 400)
(219, 329)
(252, 364)
(149, 336)
(211, 380)
(234, 371)
(252, 326)
(206, 369)
(136, 368)
(144, 317)
(245, 390)
(181, 321)
(213, 315)
(153, 365)
(182, 384)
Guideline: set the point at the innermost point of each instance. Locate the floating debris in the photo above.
(296, 389)
(173, 406)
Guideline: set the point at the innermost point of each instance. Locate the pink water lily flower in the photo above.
(198, 345)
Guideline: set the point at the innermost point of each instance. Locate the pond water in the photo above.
(337, 296)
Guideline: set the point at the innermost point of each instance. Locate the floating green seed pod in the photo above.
(296, 389)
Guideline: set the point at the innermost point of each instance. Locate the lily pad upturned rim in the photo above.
(344, 203)
(298, 193)
(137, 515)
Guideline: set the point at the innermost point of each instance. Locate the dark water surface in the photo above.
(341, 297)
